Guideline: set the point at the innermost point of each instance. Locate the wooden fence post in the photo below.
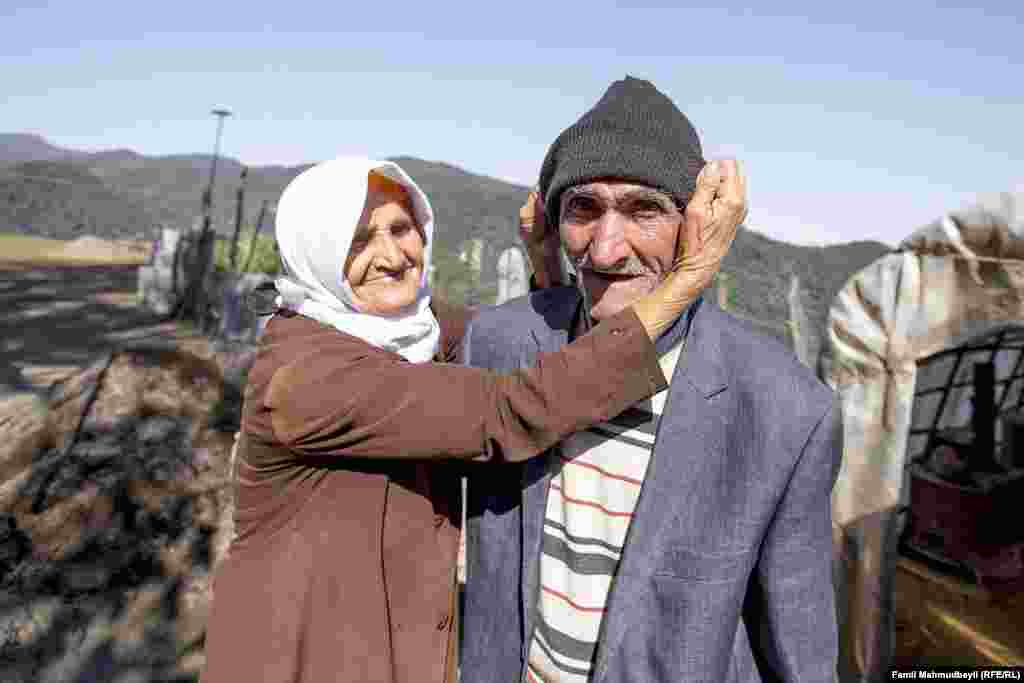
(239, 214)
(799, 325)
(723, 280)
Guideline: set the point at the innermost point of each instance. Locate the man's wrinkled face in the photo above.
(622, 239)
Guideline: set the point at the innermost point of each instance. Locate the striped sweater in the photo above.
(593, 493)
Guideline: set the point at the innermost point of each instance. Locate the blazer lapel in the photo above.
(537, 473)
(691, 437)
(537, 477)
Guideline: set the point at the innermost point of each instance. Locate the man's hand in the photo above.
(542, 243)
(718, 207)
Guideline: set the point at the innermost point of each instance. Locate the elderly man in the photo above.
(689, 539)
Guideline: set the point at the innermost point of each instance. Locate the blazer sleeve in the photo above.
(376, 405)
(794, 632)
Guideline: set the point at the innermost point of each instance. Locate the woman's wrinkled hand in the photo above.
(715, 212)
(541, 241)
(713, 216)
(533, 227)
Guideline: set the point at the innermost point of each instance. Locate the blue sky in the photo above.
(854, 120)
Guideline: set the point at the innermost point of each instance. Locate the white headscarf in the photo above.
(317, 217)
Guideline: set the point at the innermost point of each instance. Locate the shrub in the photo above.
(263, 258)
(453, 280)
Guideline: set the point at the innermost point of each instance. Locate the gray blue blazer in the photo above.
(726, 576)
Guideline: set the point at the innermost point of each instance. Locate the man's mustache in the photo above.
(630, 266)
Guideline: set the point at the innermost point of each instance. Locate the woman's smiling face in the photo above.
(385, 263)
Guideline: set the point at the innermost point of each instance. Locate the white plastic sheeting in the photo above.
(513, 279)
(956, 278)
(948, 282)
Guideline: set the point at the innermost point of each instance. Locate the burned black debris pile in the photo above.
(109, 535)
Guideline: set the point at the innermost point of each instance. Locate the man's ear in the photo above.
(568, 270)
(689, 239)
(565, 264)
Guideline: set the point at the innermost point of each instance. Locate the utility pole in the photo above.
(221, 114)
(193, 303)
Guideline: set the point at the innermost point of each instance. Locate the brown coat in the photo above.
(347, 514)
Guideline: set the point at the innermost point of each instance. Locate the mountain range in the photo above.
(51, 191)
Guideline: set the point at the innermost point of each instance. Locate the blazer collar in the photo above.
(702, 364)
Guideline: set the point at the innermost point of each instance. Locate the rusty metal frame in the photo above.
(993, 341)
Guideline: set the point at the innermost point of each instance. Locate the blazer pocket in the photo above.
(687, 564)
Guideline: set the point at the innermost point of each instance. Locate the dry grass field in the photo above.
(85, 251)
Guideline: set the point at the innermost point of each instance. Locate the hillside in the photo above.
(65, 200)
(119, 193)
(169, 188)
(18, 147)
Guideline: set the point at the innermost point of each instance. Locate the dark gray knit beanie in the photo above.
(634, 133)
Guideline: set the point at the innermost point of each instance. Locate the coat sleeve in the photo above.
(454, 320)
(793, 621)
(330, 402)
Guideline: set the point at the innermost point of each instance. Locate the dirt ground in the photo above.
(85, 250)
(58, 319)
(111, 527)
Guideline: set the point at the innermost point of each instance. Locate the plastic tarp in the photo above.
(953, 280)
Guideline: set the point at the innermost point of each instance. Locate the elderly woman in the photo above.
(343, 568)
